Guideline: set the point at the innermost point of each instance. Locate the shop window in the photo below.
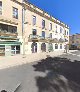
(2, 50)
(15, 49)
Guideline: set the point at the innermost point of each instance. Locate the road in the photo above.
(53, 74)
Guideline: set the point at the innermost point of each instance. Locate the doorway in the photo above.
(43, 47)
(34, 47)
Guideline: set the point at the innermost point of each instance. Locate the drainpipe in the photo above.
(23, 28)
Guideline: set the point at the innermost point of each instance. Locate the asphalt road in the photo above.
(60, 74)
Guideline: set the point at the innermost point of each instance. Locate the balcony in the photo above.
(55, 40)
(42, 39)
(33, 38)
(36, 38)
(8, 34)
(49, 39)
(61, 40)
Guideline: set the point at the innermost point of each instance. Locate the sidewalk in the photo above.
(10, 61)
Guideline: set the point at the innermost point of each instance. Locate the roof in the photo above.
(27, 2)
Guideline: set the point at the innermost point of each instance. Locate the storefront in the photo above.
(9, 48)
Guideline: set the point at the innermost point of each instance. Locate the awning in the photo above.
(9, 43)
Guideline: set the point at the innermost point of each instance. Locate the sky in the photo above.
(67, 11)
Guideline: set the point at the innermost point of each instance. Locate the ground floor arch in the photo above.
(34, 47)
(43, 47)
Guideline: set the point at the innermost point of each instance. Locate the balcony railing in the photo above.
(33, 37)
(14, 35)
(61, 40)
(43, 39)
(36, 38)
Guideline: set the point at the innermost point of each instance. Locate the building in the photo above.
(26, 29)
(10, 27)
(74, 41)
(42, 32)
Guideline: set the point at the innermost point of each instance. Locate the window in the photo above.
(15, 49)
(43, 24)
(67, 32)
(34, 20)
(56, 46)
(50, 35)
(56, 29)
(43, 47)
(8, 28)
(15, 13)
(43, 34)
(50, 26)
(12, 29)
(60, 46)
(60, 30)
(50, 48)
(0, 7)
(72, 41)
(2, 50)
(34, 32)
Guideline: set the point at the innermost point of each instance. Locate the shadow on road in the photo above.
(62, 75)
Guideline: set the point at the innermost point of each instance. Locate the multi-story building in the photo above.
(74, 41)
(10, 27)
(25, 29)
(43, 32)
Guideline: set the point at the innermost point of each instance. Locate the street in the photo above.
(53, 74)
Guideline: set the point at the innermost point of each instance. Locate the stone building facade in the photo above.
(26, 29)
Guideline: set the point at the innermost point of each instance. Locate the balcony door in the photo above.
(34, 32)
(34, 47)
(43, 34)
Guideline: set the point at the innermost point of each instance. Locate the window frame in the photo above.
(50, 26)
(15, 12)
(1, 8)
(56, 46)
(50, 35)
(34, 20)
(56, 29)
(60, 46)
(43, 34)
(61, 30)
(34, 32)
(43, 23)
